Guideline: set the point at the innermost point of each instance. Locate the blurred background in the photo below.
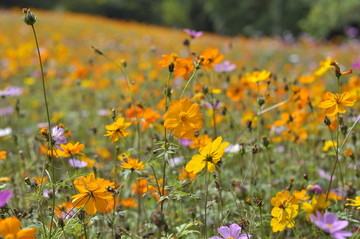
(321, 19)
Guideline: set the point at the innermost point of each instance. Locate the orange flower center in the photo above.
(337, 98)
(182, 117)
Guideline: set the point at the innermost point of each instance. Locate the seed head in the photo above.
(29, 17)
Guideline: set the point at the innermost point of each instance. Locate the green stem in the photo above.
(189, 80)
(207, 175)
(50, 146)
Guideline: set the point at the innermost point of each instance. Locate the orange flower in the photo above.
(334, 103)
(184, 118)
(134, 113)
(129, 202)
(211, 57)
(133, 164)
(10, 229)
(235, 92)
(2, 154)
(117, 130)
(149, 117)
(141, 187)
(183, 174)
(200, 141)
(93, 194)
(183, 67)
(70, 149)
(168, 59)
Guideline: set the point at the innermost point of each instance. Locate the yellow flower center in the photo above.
(337, 98)
(230, 238)
(329, 226)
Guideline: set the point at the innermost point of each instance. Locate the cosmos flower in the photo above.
(193, 33)
(93, 194)
(117, 129)
(356, 202)
(4, 197)
(209, 156)
(330, 224)
(10, 229)
(56, 133)
(226, 66)
(335, 103)
(233, 231)
(133, 164)
(184, 118)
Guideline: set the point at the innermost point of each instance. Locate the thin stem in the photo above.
(189, 80)
(205, 203)
(50, 146)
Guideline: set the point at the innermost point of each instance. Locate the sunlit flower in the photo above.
(335, 103)
(10, 229)
(93, 194)
(117, 129)
(168, 59)
(324, 67)
(209, 156)
(330, 224)
(184, 118)
(133, 164)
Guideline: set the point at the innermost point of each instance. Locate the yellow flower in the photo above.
(70, 149)
(2, 154)
(10, 229)
(334, 103)
(318, 203)
(184, 118)
(133, 164)
(324, 66)
(258, 76)
(329, 144)
(356, 202)
(93, 194)
(117, 130)
(285, 209)
(208, 157)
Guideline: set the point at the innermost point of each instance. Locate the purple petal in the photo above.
(77, 163)
(245, 236)
(224, 231)
(235, 230)
(216, 238)
(4, 197)
(337, 226)
(341, 234)
(330, 218)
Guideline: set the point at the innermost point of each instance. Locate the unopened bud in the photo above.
(261, 101)
(29, 17)
(327, 121)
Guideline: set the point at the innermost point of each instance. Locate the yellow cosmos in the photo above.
(318, 203)
(70, 149)
(335, 103)
(93, 194)
(117, 130)
(10, 229)
(184, 118)
(356, 202)
(324, 67)
(283, 217)
(208, 157)
(133, 164)
(328, 145)
(258, 76)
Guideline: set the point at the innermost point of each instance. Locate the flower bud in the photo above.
(29, 17)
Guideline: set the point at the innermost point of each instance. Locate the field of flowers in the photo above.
(114, 129)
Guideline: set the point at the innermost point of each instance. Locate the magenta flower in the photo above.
(193, 33)
(232, 231)
(226, 66)
(330, 224)
(4, 197)
(56, 133)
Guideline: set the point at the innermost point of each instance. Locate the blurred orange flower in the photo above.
(10, 229)
(334, 103)
(2, 154)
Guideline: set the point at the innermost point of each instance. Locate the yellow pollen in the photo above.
(329, 226)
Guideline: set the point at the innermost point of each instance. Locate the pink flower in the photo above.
(232, 231)
(330, 224)
(193, 33)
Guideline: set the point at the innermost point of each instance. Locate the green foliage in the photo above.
(326, 16)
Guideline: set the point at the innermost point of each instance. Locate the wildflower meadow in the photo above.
(114, 129)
